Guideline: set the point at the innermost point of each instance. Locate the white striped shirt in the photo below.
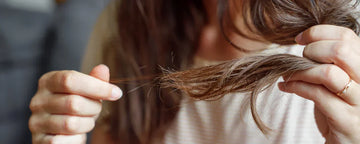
(229, 121)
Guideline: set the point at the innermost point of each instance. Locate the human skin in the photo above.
(56, 104)
(337, 117)
(67, 103)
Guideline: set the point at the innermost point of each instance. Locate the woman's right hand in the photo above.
(67, 104)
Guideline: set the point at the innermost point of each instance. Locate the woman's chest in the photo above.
(229, 120)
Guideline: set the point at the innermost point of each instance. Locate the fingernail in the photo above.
(116, 93)
(299, 37)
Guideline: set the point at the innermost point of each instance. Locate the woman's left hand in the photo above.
(334, 85)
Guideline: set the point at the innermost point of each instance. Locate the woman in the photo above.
(183, 34)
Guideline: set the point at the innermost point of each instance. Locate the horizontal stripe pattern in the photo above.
(229, 121)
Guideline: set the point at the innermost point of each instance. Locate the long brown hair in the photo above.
(152, 34)
(155, 34)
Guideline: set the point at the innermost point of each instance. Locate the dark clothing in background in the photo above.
(32, 43)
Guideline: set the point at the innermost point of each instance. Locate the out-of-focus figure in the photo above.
(37, 36)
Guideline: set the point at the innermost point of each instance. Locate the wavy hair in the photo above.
(155, 34)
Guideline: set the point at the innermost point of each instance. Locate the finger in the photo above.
(101, 72)
(62, 139)
(321, 121)
(73, 82)
(61, 124)
(64, 104)
(330, 76)
(327, 102)
(351, 94)
(72, 105)
(340, 53)
(325, 32)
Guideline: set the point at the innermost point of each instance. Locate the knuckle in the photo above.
(349, 122)
(330, 71)
(317, 93)
(71, 124)
(34, 125)
(313, 31)
(43, 79)
(346, 34)
(35, 104)
(37, 138)
(66, 78)
(73, 104)
(340, 51)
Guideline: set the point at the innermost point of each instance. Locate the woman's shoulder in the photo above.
(104, 29)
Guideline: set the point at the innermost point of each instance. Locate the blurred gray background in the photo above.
(37, 36)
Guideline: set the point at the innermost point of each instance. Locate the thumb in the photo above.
(101, 72)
